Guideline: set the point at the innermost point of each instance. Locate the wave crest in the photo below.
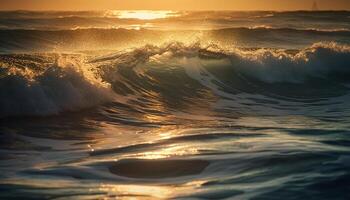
(31, 87)
(321, 60)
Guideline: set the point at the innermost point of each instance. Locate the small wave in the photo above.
(310, 30)
(94, 39)
(266, 29)
(148, 27)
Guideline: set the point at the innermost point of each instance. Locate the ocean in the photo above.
(174, 105)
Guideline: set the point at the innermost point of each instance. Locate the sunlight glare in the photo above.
(144, 15)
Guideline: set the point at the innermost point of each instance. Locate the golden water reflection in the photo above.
(134, 191)
(170, 151)
(143, 14)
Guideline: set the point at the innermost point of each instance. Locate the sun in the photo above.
(144, 15)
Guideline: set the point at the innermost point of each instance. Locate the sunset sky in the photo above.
(172, 4)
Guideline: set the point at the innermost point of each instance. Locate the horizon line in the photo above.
(204, 10)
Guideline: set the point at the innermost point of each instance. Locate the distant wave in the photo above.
(263, 27)
(183, 20)
(6, 27)
(51, 84)
(97, 39)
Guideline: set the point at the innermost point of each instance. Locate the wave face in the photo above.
(174, 105)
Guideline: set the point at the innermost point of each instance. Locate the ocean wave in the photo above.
(179, 77)
(270, 65)
(113, 39)
(172, 75)
(321, 60)
(148, 27)
(267, 29)
(36, 85)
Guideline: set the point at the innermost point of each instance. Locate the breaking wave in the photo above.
(321, 60)
(171, 75)
(37, 85)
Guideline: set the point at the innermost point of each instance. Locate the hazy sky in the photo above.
(172, 4)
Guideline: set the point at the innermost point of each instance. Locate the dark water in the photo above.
(179, 105)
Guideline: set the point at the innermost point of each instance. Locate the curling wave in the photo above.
(171, 75)
(321, 60)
